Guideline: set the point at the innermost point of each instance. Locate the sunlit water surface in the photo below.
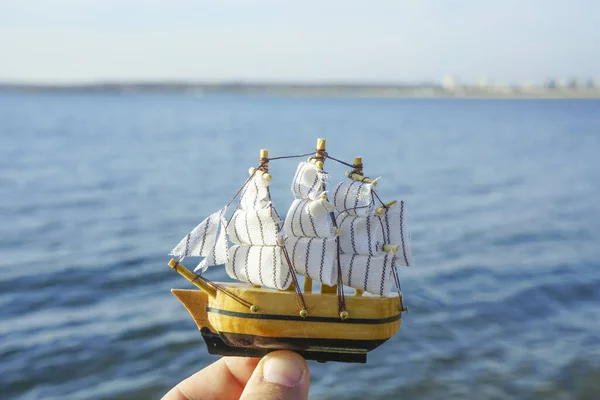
(503, 200)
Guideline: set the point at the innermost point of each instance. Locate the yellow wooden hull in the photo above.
(230, 328)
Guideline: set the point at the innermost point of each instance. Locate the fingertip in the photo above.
(284, 367)
(281, 374)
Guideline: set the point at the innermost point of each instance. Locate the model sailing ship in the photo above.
(345, 236)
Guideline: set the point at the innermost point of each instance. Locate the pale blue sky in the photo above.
(278, 40)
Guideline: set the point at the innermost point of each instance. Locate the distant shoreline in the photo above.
(317, 90)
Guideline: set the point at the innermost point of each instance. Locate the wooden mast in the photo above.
(358, 170)
(263, 160)
(321, 147)
(264, 155)
(319, 164)
(196, 280)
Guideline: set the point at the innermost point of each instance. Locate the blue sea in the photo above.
(503, 206)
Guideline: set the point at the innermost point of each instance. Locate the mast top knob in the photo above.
(319, 156)
(321, 144)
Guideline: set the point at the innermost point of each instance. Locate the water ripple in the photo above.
(502, 209)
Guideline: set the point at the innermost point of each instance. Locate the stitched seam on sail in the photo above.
(300, 180)
(313, 187)
(383, 275)
(293, 217)
(289, 273)
(369, 235)
(327, 211)
(360, 186)
(387, 227)
(257, 192)
(260, 225)
(235, 230)
(275, 270)
(214, 249)
(312, 221)
(352, 234)
(402, 232)
(346, 216)
(243, 196)
(294, 255)
(260, 265)
(246, 265)
(300, 219)
(233, 263)
(275, 217)
(248, 228)
(367, 271)
(307, 256)
(204, 237)
(350, 270)
(335, 199)
(322, 261)
(187, 245)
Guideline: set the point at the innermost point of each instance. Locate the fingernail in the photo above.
(283, 370)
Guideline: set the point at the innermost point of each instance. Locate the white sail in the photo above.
(308, 218)
(308, 181)
(395, 232)
(256, 257)
(372, 274)
(360, 235)
(255, 194)
(201, 240)
(208, 240)
(353, 197)
(363, 233)
(218, 255)
(254, 227)
(258, 265)
(314, 257)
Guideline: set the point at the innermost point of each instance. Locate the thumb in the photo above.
(279, 375)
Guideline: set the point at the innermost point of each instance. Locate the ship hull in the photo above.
(322, 350)
(229, 328)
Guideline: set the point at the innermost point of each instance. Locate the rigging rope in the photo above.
(394, 268)
(299, 297)
(227, 292)
(376, 195)
(397, 279)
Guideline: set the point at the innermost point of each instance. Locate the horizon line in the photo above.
(288, 83)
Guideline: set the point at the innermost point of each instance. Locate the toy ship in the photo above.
(345, 236)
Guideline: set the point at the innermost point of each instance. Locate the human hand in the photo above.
(279, 375)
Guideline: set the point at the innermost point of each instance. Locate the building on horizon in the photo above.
(590, 84)
(449, 82)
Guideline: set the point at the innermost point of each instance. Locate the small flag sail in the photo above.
(205, 240)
